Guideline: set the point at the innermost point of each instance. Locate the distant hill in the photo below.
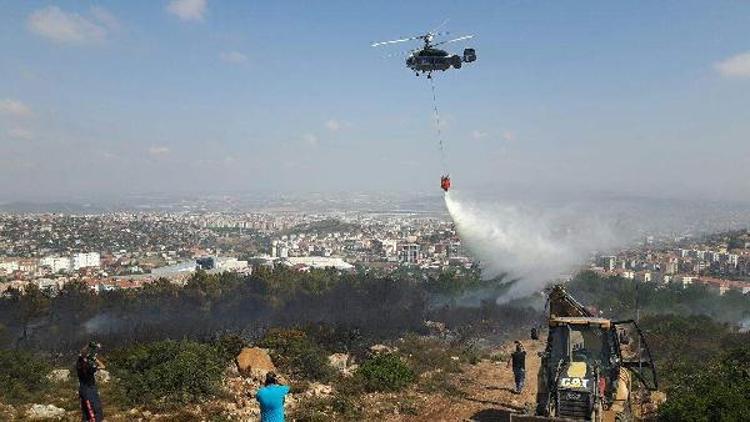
(51, 207)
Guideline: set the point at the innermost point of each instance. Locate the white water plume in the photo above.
(531, 244)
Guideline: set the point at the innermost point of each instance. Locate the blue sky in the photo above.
(641, 97)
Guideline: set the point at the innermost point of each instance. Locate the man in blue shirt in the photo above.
(271, 399)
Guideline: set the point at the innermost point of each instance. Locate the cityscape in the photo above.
(125, 250)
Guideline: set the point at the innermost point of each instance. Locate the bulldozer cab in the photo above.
(583, 340)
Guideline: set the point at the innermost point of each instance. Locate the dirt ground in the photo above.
(488, 389)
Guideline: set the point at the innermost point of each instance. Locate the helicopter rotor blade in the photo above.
(465, 37)
(377, 44)
(435, 31)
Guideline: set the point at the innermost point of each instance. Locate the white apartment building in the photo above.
(85, 260)
(8, 266)
(55, 263)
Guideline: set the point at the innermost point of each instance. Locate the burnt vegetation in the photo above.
(211, 305)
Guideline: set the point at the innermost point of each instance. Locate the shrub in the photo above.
(385, 373)
(229, 346)
(294, 353)
(329, 408)
(168, 372)
(428, 354)
(22, 376)
(440, 382)
(718, 391)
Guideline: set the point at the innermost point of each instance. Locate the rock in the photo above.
(102, 376)
(45, 411)
(59, 375)
(658, 397)
(317, 389)
(231, 370)
(339, 361)
(254, 362)
(436, 327)
(351, 370)
(382, 349)
(343, 363)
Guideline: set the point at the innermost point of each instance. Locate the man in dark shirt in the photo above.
(86, 366)
(518, 359)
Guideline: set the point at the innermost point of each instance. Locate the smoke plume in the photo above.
(532, 244)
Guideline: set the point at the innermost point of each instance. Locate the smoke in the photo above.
(744, 325)
(532, 244)
(102, 324)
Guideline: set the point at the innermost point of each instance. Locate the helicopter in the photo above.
(429, 58)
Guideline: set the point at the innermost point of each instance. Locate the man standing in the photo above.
(518, 359)
(271, 399)
(86, 366)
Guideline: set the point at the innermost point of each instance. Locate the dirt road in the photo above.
(488, 389)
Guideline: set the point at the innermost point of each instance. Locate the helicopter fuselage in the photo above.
(429, 60)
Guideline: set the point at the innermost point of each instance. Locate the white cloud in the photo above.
(20, 134)
(310, 139)
(14, 108)
(506, 135)
(737, 66)
(478, 134)
(158, 150)
(187, 10)
(333, 125)
(106, 18)
(233, 57)
(63, 27)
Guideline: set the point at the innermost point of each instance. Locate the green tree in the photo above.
(168, 373)
(720, 391)
(385, 372)
(295, 353)
(22, 376)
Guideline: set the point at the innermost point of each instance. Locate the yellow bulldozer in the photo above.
(592, 368)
